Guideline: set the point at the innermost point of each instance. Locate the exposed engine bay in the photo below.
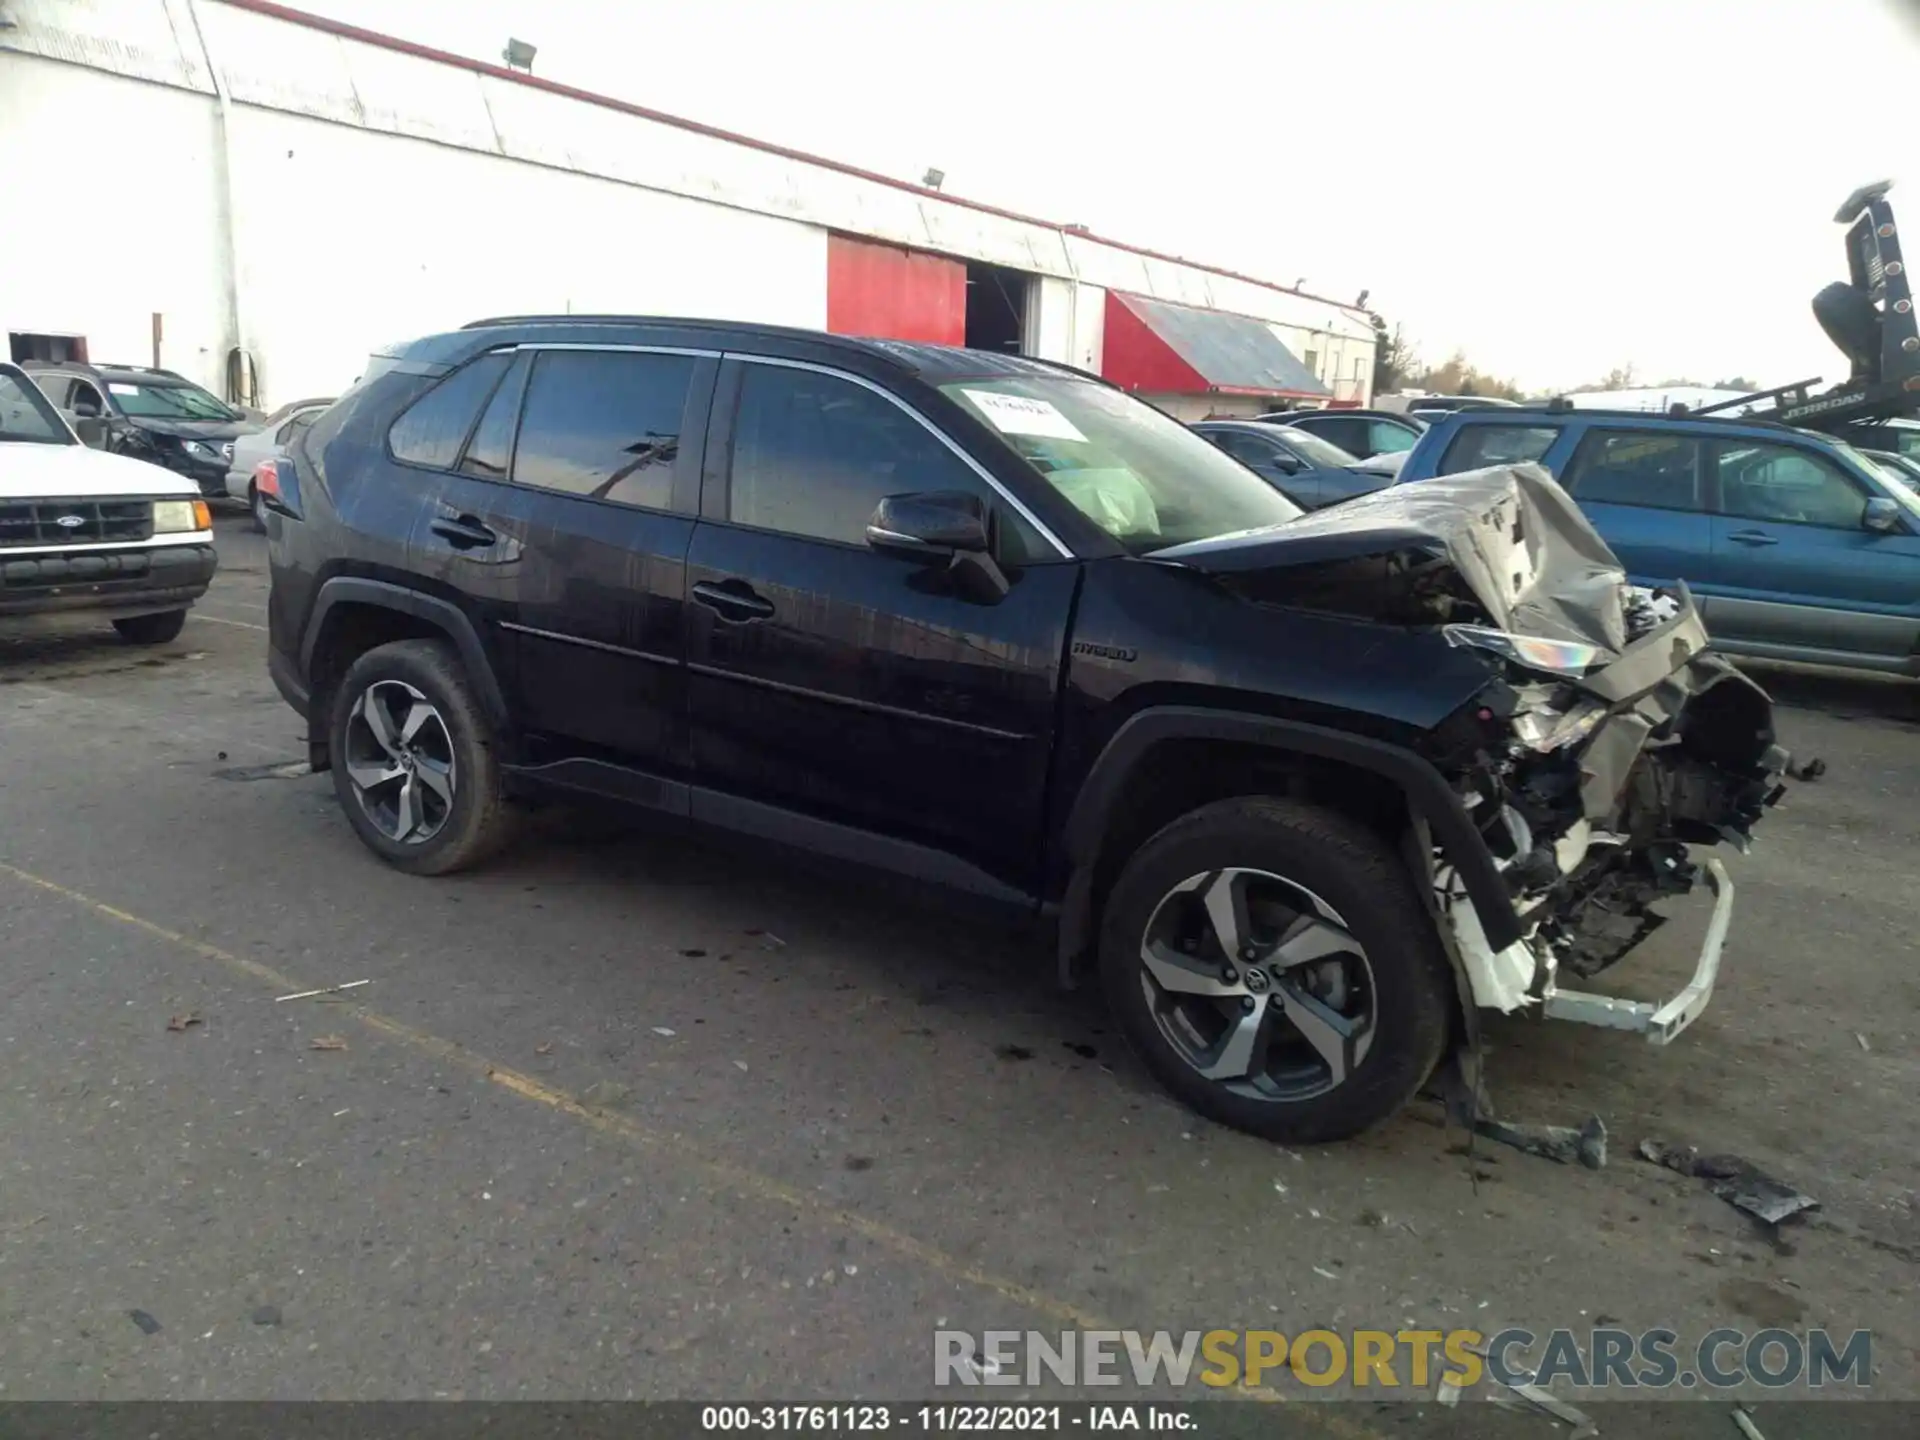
(1606, 741)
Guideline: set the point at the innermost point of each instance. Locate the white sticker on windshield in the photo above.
(1019, 415)
(115, 388)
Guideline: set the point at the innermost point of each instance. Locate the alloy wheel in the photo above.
(1258, 984)
(399, 761)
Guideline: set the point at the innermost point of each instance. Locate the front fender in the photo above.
(1430, 802)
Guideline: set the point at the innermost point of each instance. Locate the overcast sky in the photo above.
(1556, 186)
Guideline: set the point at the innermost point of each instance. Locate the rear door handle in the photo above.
(463, 532)
(732, 599)
(1753, 537)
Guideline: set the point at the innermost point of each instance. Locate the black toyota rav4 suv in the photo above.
(1307, 792)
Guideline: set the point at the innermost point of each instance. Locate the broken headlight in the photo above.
(1545, 727)
(1558, 657)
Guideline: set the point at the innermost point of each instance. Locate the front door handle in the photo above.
(1753, 537)
(732, 599)
(463, 532)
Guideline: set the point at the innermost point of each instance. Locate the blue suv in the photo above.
(1797, 546)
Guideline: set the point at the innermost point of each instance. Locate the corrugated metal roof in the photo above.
(1230, 352)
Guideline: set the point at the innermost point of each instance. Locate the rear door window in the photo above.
(1478, 446)
(431, 431)
(1347, 434)
(1657, 469)
(604, 424)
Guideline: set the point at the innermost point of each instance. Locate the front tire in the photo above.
(1272, 964)
(414, 760)
(152, 629)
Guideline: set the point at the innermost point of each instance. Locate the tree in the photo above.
(1393, 357)
(1459, 376)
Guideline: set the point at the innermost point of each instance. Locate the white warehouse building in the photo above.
(272, 195)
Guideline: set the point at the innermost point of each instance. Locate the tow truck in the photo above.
(1869, 316)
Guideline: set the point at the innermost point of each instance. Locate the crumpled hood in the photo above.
(1517, 539)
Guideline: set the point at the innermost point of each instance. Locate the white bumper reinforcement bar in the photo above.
(1659, 1023)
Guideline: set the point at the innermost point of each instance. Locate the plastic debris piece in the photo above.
(1586, 1146)
(327, 1042)
(1449, 1393)
(1862, 1039)
(665, 1030)
(1744, 1422)
(1734, 1180)
(181, 1022)
(148, 1325)
(1325, 1274)
(323, 990)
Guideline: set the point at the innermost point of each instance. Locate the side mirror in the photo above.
(92, 430)
(1882, 516)
(1284, 463)
(945, 527)
(934, 525)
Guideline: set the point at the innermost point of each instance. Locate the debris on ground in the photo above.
(1586, 1146)
(668, 1031)
(327, 1042)
(694, 954)
(1325, 1274)
(1812, 770)
(1863, 1041)
(1743, 1419)
(606, 1094)
(266, 1314)
(768, 940)
(323, 990)
(545, 1047)
(1013, 1052)
(148, 1325)
(1449, 1392)
(1736, 1181)
(181, 1022)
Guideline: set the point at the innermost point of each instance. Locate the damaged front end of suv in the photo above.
(1605, 742)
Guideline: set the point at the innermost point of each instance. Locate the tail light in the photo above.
(266, 482)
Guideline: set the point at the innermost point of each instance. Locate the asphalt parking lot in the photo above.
(644, 1116)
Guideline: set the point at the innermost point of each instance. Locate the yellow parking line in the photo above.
(726, 1173)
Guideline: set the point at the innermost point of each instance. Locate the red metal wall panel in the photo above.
(894, 293)
(1135, 358)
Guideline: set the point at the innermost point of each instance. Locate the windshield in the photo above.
(1319, 452)
(168, 401)
(1142, 477)
(25, 413)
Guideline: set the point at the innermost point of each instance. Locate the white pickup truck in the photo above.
(82, 530)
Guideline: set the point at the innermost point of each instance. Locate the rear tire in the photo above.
(152, 629)
(1340, 996)
(415, 764)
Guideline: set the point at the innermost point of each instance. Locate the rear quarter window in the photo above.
(432, 429)
(1478, 446)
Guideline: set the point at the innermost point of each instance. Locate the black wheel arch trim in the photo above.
(1429, 798)
(442, 614)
